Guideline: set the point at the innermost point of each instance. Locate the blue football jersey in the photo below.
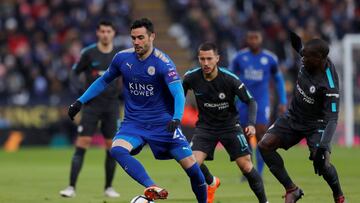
(255, 71)
(145, 85)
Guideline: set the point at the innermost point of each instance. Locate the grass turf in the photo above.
(34, 175)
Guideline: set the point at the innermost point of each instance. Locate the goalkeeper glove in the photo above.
(74, 108)
(172, 125)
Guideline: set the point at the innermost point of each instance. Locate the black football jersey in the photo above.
(316, 96)
(216, 98)
(94, 63)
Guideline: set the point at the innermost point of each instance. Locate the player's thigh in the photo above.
(235, 144)
(83, 141)
(109, 123)
(165, 145)
(280, 135)
(88, 123)
(130, 138)
(204, 141)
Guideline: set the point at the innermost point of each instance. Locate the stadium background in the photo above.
(40, 40)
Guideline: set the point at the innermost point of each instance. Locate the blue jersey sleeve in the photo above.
(172, 79)
(169, 73)
(177, 92)
(279, 79)
(114, 69)
(280, 87)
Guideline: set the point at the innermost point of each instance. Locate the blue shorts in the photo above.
(163, 144)
(262, 116)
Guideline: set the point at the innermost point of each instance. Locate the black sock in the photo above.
(332, 179)
(209, 178)
(76, 164)
(276, 165)
(256, 185)
(110, 165)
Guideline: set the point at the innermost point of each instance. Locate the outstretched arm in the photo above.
(296, 42)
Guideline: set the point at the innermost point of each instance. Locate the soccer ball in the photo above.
(141, 199)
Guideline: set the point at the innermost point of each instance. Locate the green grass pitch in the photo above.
(35, 175)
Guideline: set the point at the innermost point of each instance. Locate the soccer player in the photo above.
(312, 114)
(154, 105)
(215, 89)
(255, 66)
(104, 109)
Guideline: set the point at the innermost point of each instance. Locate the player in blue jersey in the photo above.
(255, 66)
(154, 105)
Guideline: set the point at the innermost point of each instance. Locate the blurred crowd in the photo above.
(40, 40)
(226, 22)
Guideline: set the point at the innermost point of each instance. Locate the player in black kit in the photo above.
(215, 90)
(312, 114)
(94, 61)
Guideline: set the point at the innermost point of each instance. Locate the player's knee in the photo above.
(244, 163)
(119, 151)
(267, 143)
(108, 144)
(83, 142)
(246, 168)
(263, 146)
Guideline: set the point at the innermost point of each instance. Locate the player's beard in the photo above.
(105, 42)
(140, 51)
(208, 71)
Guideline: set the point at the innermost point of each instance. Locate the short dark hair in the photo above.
(320, 46)
(207, 46)
(143, 22)
(105, 23)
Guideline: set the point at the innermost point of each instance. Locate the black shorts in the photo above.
(234, 142)
(291, 132)
(108, 115)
